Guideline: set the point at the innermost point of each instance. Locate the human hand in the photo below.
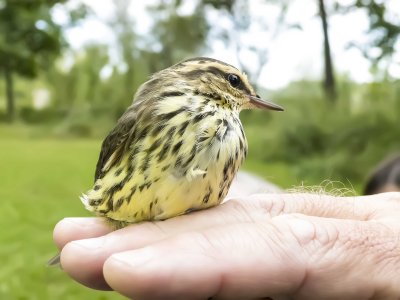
(303, 246)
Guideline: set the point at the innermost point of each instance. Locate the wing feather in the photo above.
(114, 144)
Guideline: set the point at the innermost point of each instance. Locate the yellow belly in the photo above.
(166, 196)
(211, 151)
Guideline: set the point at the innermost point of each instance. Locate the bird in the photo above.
(177, 147)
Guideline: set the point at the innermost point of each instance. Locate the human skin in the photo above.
(296, 246)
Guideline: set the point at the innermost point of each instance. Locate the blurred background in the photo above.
(70, 68)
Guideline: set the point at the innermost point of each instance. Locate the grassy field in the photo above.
(40, 184)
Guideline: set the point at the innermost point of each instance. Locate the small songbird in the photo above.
(177, 148)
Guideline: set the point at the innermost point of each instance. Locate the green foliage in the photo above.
(30, 41)
(80, 94)
(384, 29)
(79, 88)
(319, 141)
(190, 32)
(29, 36)
(34, 116)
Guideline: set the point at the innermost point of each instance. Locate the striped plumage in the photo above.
(177, 147)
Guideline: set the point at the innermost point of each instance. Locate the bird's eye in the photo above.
(234, 80)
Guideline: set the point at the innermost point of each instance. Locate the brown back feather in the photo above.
(115, 142)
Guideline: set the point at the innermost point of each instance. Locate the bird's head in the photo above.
(221, 82)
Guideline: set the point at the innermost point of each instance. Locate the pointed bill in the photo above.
(257, 102)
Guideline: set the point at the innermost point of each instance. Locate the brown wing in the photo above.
(115, 142)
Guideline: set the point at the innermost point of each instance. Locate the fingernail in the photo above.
(91, 244)
(134, 258)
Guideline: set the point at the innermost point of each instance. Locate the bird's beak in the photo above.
(257, 102)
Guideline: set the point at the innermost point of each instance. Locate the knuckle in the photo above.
(303, 230)
(241, 208)
(266, 204)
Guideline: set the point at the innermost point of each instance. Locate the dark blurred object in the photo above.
(385, 178)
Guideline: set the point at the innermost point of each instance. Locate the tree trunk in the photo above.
(9, 94)
(329, 81)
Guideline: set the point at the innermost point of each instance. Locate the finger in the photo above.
(357, 208)
(70, 229)
(295, 255)
(235, 261)
(83, 259)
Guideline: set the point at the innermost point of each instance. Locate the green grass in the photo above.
(40, 184)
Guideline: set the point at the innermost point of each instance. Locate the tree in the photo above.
(124, 27)
(384, 29)
(329, 79)
(242, 22)
(79, 88)
(177, 35)
(238, 13)
(173, 37)
(30, 41)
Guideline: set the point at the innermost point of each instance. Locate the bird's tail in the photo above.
(54, 261)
